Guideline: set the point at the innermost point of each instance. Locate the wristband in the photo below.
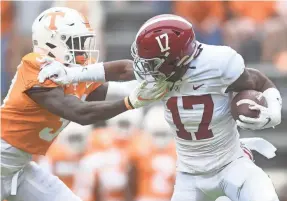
(120, 89)
(128, 103)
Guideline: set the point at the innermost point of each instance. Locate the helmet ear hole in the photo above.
(63, 37)
(67, 58)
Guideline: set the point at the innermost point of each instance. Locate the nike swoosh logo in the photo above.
(197, 87)
(269, 119)
(143, 99)
(88, 85)
(146, 99)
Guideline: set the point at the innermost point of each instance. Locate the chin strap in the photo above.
(188, 58)
(184, 62)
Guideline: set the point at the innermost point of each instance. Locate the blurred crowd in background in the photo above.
(132, 156)
(129, 157)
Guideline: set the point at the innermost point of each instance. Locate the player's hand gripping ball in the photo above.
(242, 104)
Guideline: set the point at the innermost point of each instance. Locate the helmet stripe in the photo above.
(178, 18)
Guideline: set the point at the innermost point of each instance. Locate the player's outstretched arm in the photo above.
(72, 108)
(270, 116)
(121, 70)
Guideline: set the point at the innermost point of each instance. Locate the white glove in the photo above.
(255, 123)
(60, 74)
(269, 116)
(55, 71)
(143, 96)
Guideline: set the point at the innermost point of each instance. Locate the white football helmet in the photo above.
(155, 124)
(126, 123)
(65, 34)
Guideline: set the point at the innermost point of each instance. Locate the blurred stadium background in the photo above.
(130, 157)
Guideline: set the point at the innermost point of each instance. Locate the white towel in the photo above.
(260, 145)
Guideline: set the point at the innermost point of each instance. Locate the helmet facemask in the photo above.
(147, 69)
(161, 68)
(82, 49)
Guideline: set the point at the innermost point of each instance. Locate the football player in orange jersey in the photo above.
(104, 173)
(154, 159)
(34, 113)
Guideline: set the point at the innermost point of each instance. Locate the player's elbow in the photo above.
(83, 119)
(82, 122)
(85, 116)
(79, 119)
(257, 80)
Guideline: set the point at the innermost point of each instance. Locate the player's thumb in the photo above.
(42, 76)
(143, 84)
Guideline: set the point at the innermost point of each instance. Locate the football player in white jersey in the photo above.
(202, 79)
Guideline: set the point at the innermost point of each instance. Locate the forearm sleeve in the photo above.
(120, 89)
(89, 73)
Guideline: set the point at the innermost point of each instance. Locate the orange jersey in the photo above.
(25, 124)
(155, 169)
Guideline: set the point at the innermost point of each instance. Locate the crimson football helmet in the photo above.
(163, 48)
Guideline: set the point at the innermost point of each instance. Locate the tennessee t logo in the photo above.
(54, 15)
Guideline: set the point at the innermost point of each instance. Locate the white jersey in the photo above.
(198, 111)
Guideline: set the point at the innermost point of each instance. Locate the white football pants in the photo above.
(241, 180)
(23, 180)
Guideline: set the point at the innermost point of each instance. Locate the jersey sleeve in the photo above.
(30, 68)
(232, 68)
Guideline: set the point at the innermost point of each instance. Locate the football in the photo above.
(241, 102)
